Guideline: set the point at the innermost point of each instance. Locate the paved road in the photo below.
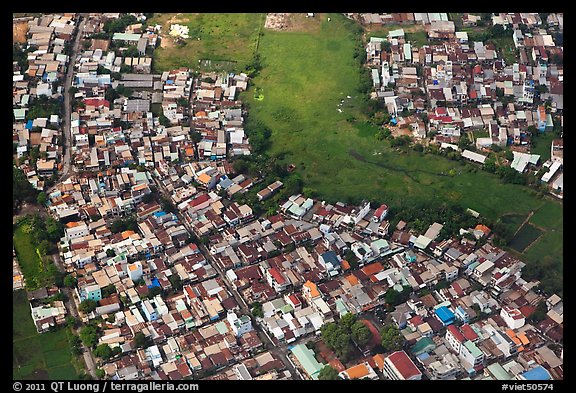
(66, 160)
(66, 127)
(279, 351)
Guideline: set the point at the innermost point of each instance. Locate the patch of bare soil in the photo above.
(19, 31)
(292, 22)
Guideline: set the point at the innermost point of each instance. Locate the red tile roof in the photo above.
(457, 334)
(404, 364)
(277, 276)
(468, 332)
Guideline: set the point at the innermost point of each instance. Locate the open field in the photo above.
(305, 77)
(542, 145)
(217, 37)
(37, 356)
(35, 270)
(549, 216)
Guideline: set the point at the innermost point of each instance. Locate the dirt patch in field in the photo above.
(292, 22)
(19, 31)
(166, 41)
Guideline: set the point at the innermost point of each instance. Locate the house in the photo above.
(445, 316)
(455, 338)
(331, 262)
(359, 371)
(538, 373)
(239, 325)
(398, 366)
(90, 292)
(380, 213)
(306, 359)
(512, 316)
(472, 355)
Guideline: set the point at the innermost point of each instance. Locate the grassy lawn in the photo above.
(505, 47)
(543, 145)
(38, 356)
(549, 216)
(223, 37)
(35, 270)
(417, 38)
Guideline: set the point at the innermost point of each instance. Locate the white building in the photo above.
(135, 270)
(513, 317)
(239, 325)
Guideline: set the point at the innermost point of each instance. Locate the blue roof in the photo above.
(445, 314)
(155, 283)
(29, 125)
(159, 214)
(169, 82)
(536, 374)
(330, 257)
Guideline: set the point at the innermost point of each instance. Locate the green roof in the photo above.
(306, 358)
(126, 36)
(473, 349)
(341, 307)
(498, 372)
(221, 327)
(425, 344)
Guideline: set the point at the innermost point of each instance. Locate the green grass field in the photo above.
(306, 75)
(35, 270)
(38, 356)
(223, 37)
(549, 216)
(304, 78)
(542, 145)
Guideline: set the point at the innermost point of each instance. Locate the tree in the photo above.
(103, 351)
(70, 281)
(108, 290)
(464, 142)
(240, 166)
(418, 147)
(257, 310)
(140, 340)
(539, 314)
(41, 198)
(89, 335)
(195, 136)
(347, 320)
(328, 373)
(164, 121)
(360, 333)
(391, 339)
(22, 189)
(154, 291)
(176, 282)
(100, 373)
(87, 306)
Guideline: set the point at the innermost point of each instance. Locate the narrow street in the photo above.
(66, 126)
(279, 351)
